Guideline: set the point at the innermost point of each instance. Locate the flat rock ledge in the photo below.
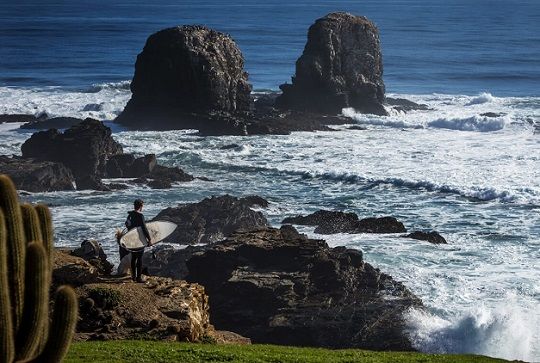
(277, 286)
(330, 222)
(116, 308)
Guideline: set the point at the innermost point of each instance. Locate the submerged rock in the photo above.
(187, 69)
(431, 237)
(52, 123)
(37, 176)
(277, 286)
(341, 66)
(212, 219)
(330, 222)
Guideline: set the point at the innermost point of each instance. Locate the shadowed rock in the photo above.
(187, 69)
(212, 219)
(431, 237)
(37, 176)
(341, 66)
(277, 286)
(330, 222)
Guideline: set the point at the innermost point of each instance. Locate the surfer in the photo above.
(136, 219)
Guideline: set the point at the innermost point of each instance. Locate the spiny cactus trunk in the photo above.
(25, 280)
(7, 343)
(62, 327)
(9, 203)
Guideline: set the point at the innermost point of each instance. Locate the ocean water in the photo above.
(473, 178)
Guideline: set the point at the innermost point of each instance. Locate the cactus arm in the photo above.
(36, 304)
(47, 231)
(9, 203)
(62, 327)
(7, 341)
(31, 222)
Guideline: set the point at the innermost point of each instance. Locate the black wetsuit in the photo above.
(136, 219)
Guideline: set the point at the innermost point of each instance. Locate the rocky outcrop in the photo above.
(330, 222)
(52, 123)
(92, 252)
(83, 148)
(341, 66)
(116, 308)
(128, 166)
(431, 237)
(37, 176)
(187, 69)
(277, 286)
(167, 261)
(211, 219)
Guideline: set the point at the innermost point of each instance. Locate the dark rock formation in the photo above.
(431, 237)
(92, 252)
(52, 123)
(187, 69)
(329, 222)
(212, 219)
(277, 286)
(37, 176)
(127, 166)
(20, 118)
(167, 261)
(83, 148)
(341, 66)
(403, 105)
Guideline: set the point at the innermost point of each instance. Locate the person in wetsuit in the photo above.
(136, 219)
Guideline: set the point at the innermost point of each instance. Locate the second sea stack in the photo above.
(187, 69)
(341, 66)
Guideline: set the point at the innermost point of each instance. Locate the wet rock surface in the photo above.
(37, 176)
(330, 222)
(277, 286)
(212, 219)
(431, 237)
(341, 66)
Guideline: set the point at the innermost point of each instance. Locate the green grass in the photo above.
(144, 351)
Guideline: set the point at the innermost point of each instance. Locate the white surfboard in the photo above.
(159, 230)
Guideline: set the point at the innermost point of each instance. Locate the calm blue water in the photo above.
(445, 46)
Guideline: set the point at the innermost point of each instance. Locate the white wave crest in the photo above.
(482, 98)
(508, 331)
(474, 123)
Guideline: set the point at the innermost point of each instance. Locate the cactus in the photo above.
(31, 338)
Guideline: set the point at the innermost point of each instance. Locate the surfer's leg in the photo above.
(133, 265)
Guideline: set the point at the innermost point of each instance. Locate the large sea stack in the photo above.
(341, 67)
(183, 71)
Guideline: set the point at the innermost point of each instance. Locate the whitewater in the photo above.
(467, 167)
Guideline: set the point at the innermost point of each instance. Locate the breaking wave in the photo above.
(505, 331)
(474, 123)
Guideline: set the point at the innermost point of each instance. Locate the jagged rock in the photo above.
(127, 166)
(116, 308)
(401, 104)
(160, 184)
(172, 174)
(341, 66)
(52, 123)
(431, 237)
(167, 261)
(92, 252)
(279, 287)
(187, 69)
(37, 176)
(91, 182)
(330, 222)
(83, 148)
(212, 219)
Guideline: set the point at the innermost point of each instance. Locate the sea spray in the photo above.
(507, 330)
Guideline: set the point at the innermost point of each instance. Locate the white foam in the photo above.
(103, 102)
(481, 98)
(473, 123)
(506, 330)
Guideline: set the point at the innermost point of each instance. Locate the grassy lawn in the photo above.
(145, 351)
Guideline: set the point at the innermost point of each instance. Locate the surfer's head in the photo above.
(138, 204)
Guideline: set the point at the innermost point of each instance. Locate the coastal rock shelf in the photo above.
(277, 286)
